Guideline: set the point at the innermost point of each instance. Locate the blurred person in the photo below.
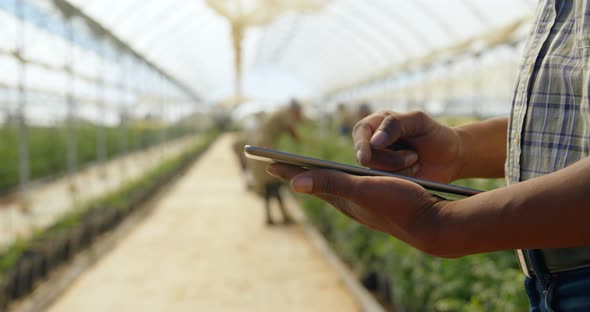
(363, 110)
(240, 140)
(268, 133)
(343, 120)
(542, 150)
(238, 149)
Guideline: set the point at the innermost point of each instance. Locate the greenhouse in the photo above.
(124, 184)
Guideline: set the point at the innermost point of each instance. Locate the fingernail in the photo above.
(410, 159)
(302, 184)
(270, 169)
(359, 157)
(379, 138)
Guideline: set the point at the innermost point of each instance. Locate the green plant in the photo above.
(48, 147)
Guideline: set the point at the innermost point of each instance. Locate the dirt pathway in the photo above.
(205, 248)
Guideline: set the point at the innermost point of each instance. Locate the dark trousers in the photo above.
(273, 190)
(563, 291)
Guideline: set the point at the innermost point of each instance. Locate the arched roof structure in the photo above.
(338, 44)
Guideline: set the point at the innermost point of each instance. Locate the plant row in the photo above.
(48, 147)
(28, 262)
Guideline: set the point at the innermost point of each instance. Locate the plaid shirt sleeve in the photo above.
(550, 121)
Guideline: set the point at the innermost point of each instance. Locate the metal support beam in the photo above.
(24, 167)
(101, 136)
(71, 142)
(68, 10)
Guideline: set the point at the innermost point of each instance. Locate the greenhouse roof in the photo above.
(303, 48)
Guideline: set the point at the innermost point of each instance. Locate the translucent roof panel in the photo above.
(298, 53)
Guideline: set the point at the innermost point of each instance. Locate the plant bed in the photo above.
(7, 289)
(47, 250)
(24, 277)
(9, 285)
(60, 241)
(137, 198)
(25, 262)
(48, 143)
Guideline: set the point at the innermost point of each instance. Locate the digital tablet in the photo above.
(446, 191)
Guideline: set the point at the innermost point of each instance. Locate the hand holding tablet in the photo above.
(447, 191)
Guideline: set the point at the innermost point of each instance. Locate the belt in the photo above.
(553, 260)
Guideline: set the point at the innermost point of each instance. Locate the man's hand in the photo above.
(394, 206)
(411, 144)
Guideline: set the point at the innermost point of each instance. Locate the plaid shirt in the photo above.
(550, 121)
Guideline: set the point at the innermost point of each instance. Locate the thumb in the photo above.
(358, 189)
(324, 182)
